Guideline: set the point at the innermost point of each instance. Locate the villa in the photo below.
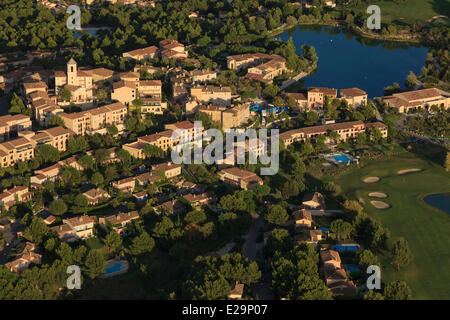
(243, 179)
(411, 100)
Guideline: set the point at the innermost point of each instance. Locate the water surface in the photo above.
(346, 60)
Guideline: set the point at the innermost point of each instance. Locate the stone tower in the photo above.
(72, 72)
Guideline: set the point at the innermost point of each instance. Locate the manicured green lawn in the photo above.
(411, 10)
(426, 229)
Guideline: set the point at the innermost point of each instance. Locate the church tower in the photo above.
(72, 72)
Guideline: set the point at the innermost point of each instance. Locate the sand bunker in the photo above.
(371, 180)
(409, 171)
(380, 204)
(380, 195)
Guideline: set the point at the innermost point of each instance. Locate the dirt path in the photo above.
(252, 249)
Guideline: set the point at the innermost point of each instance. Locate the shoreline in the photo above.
(355, 30)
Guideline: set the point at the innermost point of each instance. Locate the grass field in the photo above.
(412, 11)
(425, 228)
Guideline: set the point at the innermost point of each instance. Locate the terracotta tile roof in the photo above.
(326, 91)
(354, 92)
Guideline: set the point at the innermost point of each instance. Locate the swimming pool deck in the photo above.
(331, 157)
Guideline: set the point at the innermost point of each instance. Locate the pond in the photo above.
(347, 61)
(439, 201)
(92, 30)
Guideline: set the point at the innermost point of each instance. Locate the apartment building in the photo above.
(34, 86)
(267, 71)
(17, 194)
(411, 100)
(316, 96)
(43, 106)
(119, 221)
(242, 61)
(12, 151)
(95, 119)
(172, 49)
(355, 97)
(191, 132)
(152, 105)
(50, 173)
(150, 88)
(10, 125)
(228, 118)
(57, 137)
(204, 75)
(243, 179)
(143, 54)
(345, 130)
(124, 91)
(210, 94)
(102, 74)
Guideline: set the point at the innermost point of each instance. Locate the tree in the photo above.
(58, 207)
(311, 118)
(447, 162)
(77, 144)
(411, 80)
(55, 121)
(81, 200)
(306, 148)
(270, 91)
(66, 94)
(332, 188)
(113, 241)
(142, 244)
(153, 151)
(17, 105)
(397, 290)
(47, 153)
(101, 155)
(341, 228)
(36, 231)
(111, 173)
(97, 178)
(102, 94)
(86, 161)
(279, 240)
(402, 255)
(112, 130)
(196, 217)
(373, 295)
(95, 264)
(367, 258)
(276, 214)
(298, 169)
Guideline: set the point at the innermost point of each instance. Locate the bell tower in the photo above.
(72, 72)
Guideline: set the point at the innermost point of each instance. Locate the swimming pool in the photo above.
(342, 158)
(114, 268)
(343, 247)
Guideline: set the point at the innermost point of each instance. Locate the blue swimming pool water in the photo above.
(114, 268)
(324, 229)
(345, 248)
(341, 158)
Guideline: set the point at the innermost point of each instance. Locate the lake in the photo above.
(439, 201)
(347, 60)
